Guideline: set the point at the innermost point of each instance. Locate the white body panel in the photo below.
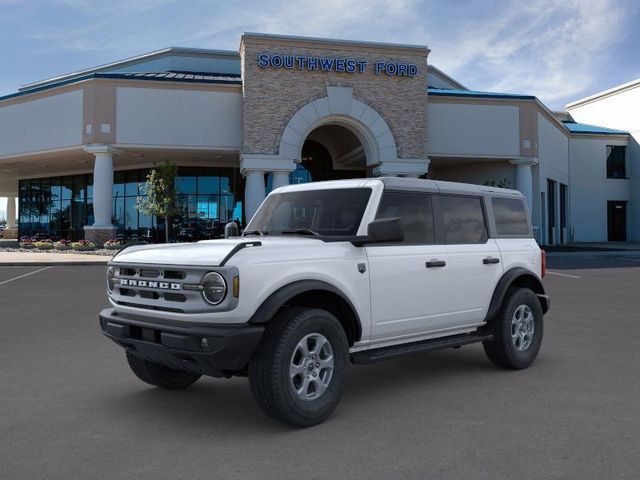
(407, 298)
(471, 281)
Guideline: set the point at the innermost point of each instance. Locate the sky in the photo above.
(558, 50)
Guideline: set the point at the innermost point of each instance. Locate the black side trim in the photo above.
(431, 345)
(237, 248)
(505, 283)
(280, 297)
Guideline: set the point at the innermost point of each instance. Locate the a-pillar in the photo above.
(402, 167)
(102, 228)
(254, 167)
(524, 178)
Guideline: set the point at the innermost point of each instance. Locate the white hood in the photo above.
(205, 253)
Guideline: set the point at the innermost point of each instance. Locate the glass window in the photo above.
(463, 219)
(208, 185)
(118, 184)
(616, 161)
(330, 212)
(67, 188)
(131, 185)
(510, 215)
(415, 211)
(131, 214)
(186, 184)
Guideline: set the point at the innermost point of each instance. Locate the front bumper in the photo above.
(214, 350)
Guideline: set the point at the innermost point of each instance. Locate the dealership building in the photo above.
(74, 149)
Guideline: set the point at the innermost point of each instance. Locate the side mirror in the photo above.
(385, 230)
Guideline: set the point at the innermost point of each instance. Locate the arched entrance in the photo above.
(330, 152)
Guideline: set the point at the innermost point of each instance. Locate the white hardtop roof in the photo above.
(403, 184)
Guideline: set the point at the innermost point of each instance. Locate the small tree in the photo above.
(159, 194)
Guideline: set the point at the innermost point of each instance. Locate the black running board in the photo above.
(431, 345)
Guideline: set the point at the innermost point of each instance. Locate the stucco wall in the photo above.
(40, 124)
(272, 96)
(472, 129)
(590, 189)
(621, 111)
(178, 117)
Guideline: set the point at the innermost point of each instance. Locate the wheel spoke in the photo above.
(297, 370)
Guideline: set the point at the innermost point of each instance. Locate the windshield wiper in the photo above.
(255, 232)
(300, 231)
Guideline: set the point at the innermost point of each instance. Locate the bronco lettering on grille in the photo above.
(128, 282)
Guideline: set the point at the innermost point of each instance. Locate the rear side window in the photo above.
(463, 219)
(511, 216)
(415, 211)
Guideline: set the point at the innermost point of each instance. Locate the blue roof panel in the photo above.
(593, 129)
(449, 92)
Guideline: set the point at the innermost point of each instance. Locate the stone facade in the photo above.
(272, 96)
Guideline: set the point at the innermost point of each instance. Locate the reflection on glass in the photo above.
(186, 184)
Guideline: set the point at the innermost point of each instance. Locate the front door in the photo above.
(409, 280)
(617, 221)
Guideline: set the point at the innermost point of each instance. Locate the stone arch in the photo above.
(340, 108)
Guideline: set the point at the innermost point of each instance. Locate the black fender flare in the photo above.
(525, 278)
(280, 297)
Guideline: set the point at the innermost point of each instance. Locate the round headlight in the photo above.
(214, 288)
(111, 273)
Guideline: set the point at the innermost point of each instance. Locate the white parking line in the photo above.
(25, 275)
(563, 274)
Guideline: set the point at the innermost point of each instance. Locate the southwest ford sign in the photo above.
(341, 65)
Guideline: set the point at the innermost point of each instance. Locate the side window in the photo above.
(510, 215)
(463, 219)
(415, 211)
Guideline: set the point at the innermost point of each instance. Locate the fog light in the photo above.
(204, 344)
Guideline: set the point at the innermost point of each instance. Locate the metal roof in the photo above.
(575, 127)
(228, 79)
(449, 92)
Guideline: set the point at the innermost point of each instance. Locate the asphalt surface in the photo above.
(71, 409)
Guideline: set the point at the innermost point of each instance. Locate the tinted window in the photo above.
(415, 211)
(616, 161)
(463, 219)
(510, 215)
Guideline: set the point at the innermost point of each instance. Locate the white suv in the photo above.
(331, 273)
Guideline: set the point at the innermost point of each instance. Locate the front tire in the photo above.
(297, 374)
(159, 375)
(517, 330)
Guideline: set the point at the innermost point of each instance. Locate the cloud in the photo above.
(548, 48)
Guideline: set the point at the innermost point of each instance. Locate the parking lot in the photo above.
(70, 408)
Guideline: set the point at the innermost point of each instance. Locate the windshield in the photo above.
(331, 212)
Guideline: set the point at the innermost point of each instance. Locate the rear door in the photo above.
(475, 264)
(409, 280)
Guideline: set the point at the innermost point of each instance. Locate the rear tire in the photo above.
(159, 375)
(297, 373)
(517, 330)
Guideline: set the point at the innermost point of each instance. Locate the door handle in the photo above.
(490, 260)
(436, 263)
